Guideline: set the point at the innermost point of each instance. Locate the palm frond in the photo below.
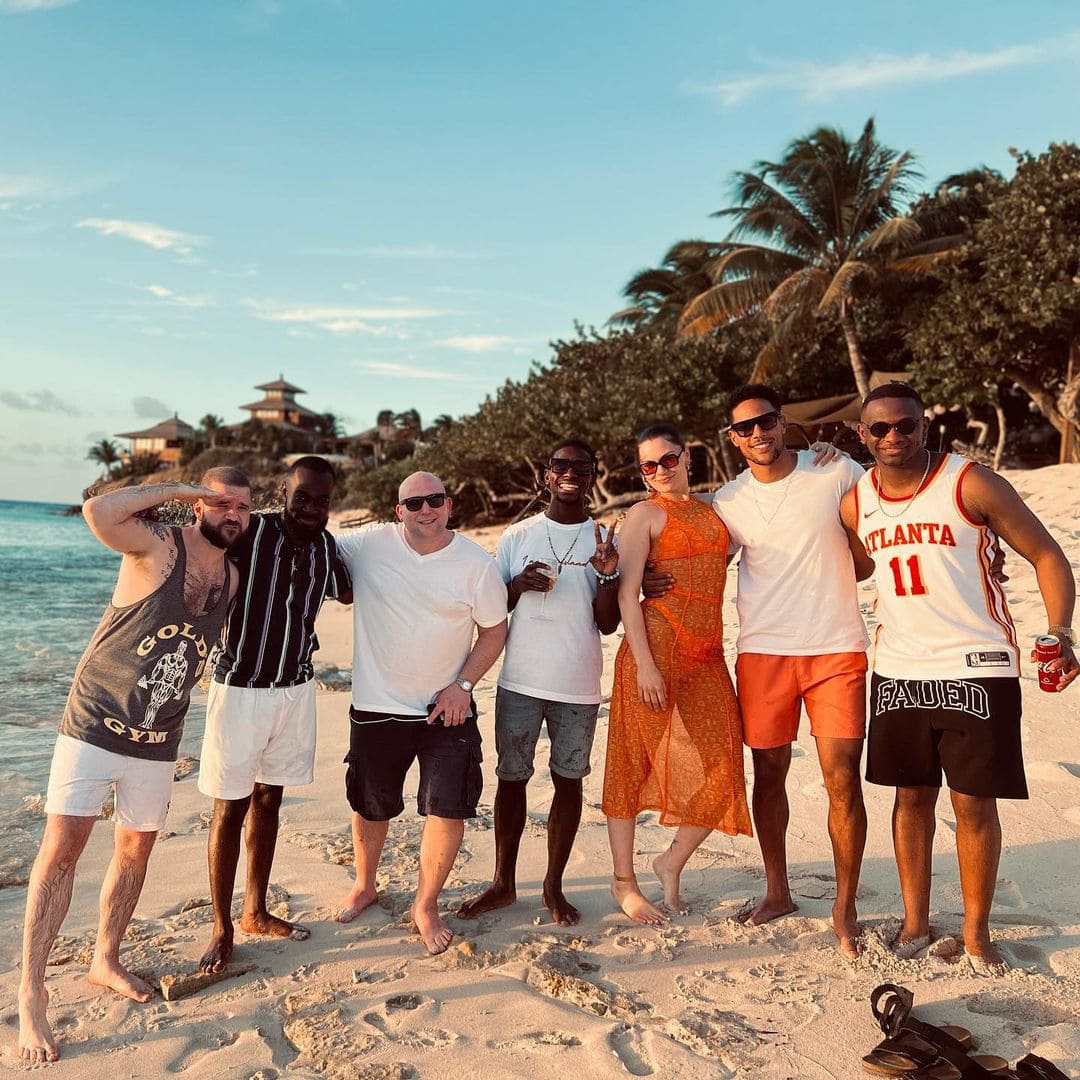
(893, 233)
(801, 290)
(925, 263)
(722, 304)
(841, 283)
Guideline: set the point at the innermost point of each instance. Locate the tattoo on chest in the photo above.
(170, 562)
(201, 592)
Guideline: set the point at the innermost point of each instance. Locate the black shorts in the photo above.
(381, 751)
(970, 728)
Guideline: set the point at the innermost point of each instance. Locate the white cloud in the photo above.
(33, 5)
(159, 237)
(477, 343)
(347, 320)
(407, 371)
(164, 293)
(37, 401)
(822, 82)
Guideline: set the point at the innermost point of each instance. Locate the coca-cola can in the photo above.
(1047, 648)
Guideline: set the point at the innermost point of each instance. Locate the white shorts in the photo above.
(82, 774)
(256, 735)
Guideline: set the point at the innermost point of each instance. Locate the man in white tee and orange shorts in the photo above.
(802, 642)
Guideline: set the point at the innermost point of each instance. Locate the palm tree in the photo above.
(211, 426)
(408, 424)
(807, 229)
(660, 294)
(106, 453)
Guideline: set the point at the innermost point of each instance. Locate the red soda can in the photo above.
(1047, 648)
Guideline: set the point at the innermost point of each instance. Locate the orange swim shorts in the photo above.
(772, 690)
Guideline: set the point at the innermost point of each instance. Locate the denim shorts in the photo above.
(518, 719)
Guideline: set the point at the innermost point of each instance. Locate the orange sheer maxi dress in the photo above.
(687, 760)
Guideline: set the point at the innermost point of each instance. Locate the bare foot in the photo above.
(355, 902)
(908, 945)
(768, 909)
(266, 925)
(36, 1042)
(628, 896)
(219, 952)
(110, 974)
(433, 929)
(669, 878)
(984, 955)
(848, 932)
(562, 911)
(497, 896)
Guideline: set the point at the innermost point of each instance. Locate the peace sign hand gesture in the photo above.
(605, 559)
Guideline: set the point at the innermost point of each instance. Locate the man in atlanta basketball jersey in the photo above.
(945, 687)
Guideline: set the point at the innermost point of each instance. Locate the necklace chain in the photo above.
(783, 495)
(565, 560)
(911, 498)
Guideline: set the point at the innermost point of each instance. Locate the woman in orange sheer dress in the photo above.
(674, 738)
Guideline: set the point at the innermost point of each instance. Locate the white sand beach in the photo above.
(517, 996)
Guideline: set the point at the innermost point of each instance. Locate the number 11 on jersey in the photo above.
(916, 588)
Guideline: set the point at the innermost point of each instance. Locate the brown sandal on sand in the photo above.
(915, 1049)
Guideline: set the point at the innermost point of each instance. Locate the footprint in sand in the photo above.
(704, 987)
(1023, 1009)
(399, 1018)
(1007, 894)
(537, 1042)
(628, 1045)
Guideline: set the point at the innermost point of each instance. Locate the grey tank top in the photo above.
(133, 684)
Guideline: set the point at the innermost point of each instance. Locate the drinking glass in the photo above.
(550, 570)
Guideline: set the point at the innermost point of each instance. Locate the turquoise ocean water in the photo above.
(55, 580)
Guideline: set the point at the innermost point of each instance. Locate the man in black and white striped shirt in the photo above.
(260, 712)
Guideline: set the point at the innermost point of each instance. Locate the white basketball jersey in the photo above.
(941, 614)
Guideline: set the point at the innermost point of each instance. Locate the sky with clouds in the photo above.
(401, 205)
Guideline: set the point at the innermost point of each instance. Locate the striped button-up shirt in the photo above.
(270, 633)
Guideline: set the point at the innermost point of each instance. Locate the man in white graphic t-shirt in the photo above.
(421, 591)
(562, 583)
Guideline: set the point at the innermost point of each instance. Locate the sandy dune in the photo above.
(518, 997)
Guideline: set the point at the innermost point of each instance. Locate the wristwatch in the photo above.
(465, 685)
(1066, 633)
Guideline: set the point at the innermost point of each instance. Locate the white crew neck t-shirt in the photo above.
(796, 580)
(560, 660)
(414, 615)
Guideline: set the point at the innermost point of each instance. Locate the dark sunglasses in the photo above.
(562, 466)
(668, 461)
(901, 427)
(745, 428)
(415, 502)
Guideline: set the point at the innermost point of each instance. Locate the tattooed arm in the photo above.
(114, 517)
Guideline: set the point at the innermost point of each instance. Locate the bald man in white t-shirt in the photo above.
(429, 621)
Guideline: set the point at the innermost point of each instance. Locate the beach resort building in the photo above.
(163, 441)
